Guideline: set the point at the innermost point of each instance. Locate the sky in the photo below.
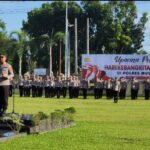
(14, 12)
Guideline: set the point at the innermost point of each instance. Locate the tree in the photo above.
(3, 37)
(113, 25)
(21, 42)
(59, 37)
(48, 40)
(51, 16)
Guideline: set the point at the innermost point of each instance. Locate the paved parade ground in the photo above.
(100, 124)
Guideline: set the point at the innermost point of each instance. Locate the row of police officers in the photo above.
(60, 86)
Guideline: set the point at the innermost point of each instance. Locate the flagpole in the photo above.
(66, 42)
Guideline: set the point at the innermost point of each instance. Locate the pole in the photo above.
(66, 42)
(13, 84)
(50, 51)
(60, 57)
(68, 73)
(88, 36)
(76, 50)
(50, 55)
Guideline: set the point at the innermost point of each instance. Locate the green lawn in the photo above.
(100, 125)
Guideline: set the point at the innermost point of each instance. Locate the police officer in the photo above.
(25, 84)
(58, 86)
(147, 89)
(116, 89)
(6, 74)
(20, 83)
(53, 87)
(71, 83)
(33, 86)
(41, 85)
(134, 88)
(123, 88)
(100, 87)
(64, 86)
(47, 86)
(76, 85)
(28, 86)
(108, 86)
(96, 88)
(84, 86)
(38, 86)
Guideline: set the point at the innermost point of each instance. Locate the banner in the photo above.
(115, 65)
(40, 71)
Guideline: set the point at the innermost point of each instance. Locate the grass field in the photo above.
(100, 125)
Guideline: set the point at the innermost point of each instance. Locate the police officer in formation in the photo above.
(123, 88)
(134, 88)
(65, 84)
(84, 87)
(21, 86)
(61, 85)
(98, 88)
(34, 86)
(58, 86)
(116, 89)
(76, 86)
(47, 86)
(70, 87)
(109, 88)
(147, 89)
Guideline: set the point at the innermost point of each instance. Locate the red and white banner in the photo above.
(115, 65)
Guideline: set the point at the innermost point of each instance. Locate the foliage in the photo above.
(114, 26)
(55, 117)
(42, 115)
(13, 121)
(70, 110)
(20, 40)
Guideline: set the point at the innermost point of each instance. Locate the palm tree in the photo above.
(21, 40)
(49, 42)
(59, 36)
(3, 37)
(2, 26)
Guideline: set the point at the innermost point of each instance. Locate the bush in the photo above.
(70, 110)
(13, 121)
(42, 115)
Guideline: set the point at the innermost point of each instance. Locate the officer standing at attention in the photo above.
(53, 86)
(64, 86)
(6, 73)
(58, 86)
(96, 88)
(25, 84)
(100, 87)
(33, 83)
(71, 83)
(116, 89)
(108, 86)
(134, 88)
(20, 83)
(123, 88)
(47, 86)
(147, 89)
(84, 86)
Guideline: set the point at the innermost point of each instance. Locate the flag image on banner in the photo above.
(115, 65)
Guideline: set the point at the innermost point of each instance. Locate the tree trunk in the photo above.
(20, 66)
(50, 61)
(60, 58)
